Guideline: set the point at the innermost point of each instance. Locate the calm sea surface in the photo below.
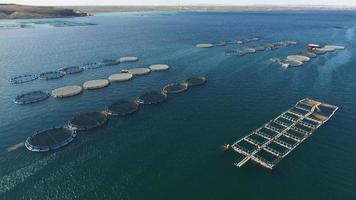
(171, 151)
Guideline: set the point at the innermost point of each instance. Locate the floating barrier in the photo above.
(31, 97)
(205, 45)
(51, 75)
(195, 81)
(128, 59)
(87, 121)
(122, 108)
(96, 84)
(152, 97)
(159, 67)
(23, 78)
(67, 91)
(121, 77)
(273, 141)
(137, 71)
(50, 139)
(175, 88)
(71, 70)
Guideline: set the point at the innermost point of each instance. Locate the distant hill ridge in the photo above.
(14, 11)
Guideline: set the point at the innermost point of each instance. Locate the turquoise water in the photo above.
(171, 151)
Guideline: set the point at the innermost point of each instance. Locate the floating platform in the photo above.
(273, 141)
(67, 91)
(128, 59)
(137, 71)
(50, 139)
(121, 77)
(96, 84)
(159, 67)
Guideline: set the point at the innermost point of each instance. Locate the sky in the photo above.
(182, 2)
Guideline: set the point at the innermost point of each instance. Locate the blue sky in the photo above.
(181, 2)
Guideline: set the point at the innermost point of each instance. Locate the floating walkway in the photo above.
(273, 141)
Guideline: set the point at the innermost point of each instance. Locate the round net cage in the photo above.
(175, 88)
(51, 75)
(335, 47)
(122, 108)
(67, 91)
(268, 46)
(259, 48)
(110, 62)
(220, 44)
(195, 80)
(128, 59)
(298, 58)
(121, 77)
(96, 84)
(50, 139)
(205, 45)
(247, 40)
(23, 78)
(92, 65)
(137, 71)
(152, 97)
(88, 120)
(31, 97)
(308, 54)
(159, 67)
(71, 70)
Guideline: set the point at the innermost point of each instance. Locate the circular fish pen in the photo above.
(335, 47)
(71, 70)
(51, 75)
(195, 81)
(110, 62)
(259, 48)
(205, 45)
(128, 59)
(91, 65)
(298, 58)
(121, 77)
(137, 71)
(50, 139)
(31, 97)
(175, 88)
(23, 78)
(67, 91)
(87, 121)
(291, 63)
(122, 108)
(308, 54)
(159, 67)
(96, 84)
(152, 97)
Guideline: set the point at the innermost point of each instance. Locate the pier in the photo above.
(270, 143)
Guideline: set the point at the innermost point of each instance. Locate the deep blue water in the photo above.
(171, 151)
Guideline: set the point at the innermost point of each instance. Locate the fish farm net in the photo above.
(122, 108)
(195, 80)
(308, 54)
(31, 97)
(152, 97)
(110, 62)
(91, 66)
(159, 67)
(67, 91)
(71, 70)
(23, 78)
(51, 75)
(291, 63)
(121, 77)
(88, 120)
(96, 84)
(128, 59)
(175, 88)
(50, 139)
(137, 71)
